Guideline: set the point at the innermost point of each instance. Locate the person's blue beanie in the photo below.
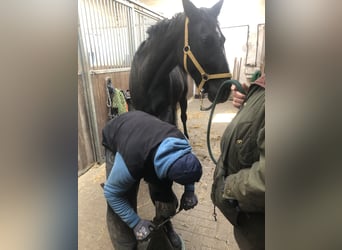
(185, 170)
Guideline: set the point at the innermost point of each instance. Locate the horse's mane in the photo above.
(162, 27)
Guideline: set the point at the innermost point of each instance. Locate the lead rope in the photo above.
(212, 106)
(201, 104)
(240, 89)
(214, 214)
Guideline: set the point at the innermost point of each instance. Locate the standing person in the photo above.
(238, 189)
(146, 148)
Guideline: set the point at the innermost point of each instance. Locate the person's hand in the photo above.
(143, 230)
(188, 200)
(238, 97)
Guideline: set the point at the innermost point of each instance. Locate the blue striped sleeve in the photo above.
(118, 183)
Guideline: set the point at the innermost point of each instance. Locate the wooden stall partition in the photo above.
(120, 80)
(86, 156)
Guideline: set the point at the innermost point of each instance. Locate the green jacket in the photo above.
(240, 171)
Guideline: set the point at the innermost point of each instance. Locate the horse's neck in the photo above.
(160, 56)
(164, 68)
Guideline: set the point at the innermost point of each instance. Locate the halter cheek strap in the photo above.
(188, 53)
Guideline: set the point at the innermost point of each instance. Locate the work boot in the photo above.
(172, 235)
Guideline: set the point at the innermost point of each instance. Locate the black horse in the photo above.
(191, 41)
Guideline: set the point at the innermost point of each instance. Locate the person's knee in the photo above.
(120, 234)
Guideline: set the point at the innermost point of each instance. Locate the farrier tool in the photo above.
(168, 219)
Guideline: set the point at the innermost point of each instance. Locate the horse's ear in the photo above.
(190, 9)
(215, 10)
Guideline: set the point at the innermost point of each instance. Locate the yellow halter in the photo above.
(187, 52)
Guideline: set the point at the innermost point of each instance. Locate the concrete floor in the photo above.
(197, 227)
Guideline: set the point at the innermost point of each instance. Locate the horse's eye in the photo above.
(222, 39)
(208, 40)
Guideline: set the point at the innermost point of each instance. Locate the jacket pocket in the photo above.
(246, 144)
(230, 212)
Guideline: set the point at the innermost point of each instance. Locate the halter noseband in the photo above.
(187, 52)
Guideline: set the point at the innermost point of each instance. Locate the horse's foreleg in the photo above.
(183, 106)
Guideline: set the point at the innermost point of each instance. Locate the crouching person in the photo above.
(140, 146)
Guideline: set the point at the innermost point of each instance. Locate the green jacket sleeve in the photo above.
(248, 185)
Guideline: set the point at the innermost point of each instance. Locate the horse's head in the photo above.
(204, 57)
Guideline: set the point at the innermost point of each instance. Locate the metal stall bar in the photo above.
(116, 46)
(112, 36)
(120, 36)
(96, 27)
(102, 33)
(88, 24)
(109, 29)
(115, 32)
(93, 25)
(84, 18)
(89, 99)
(125, 29)
(131, 33)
